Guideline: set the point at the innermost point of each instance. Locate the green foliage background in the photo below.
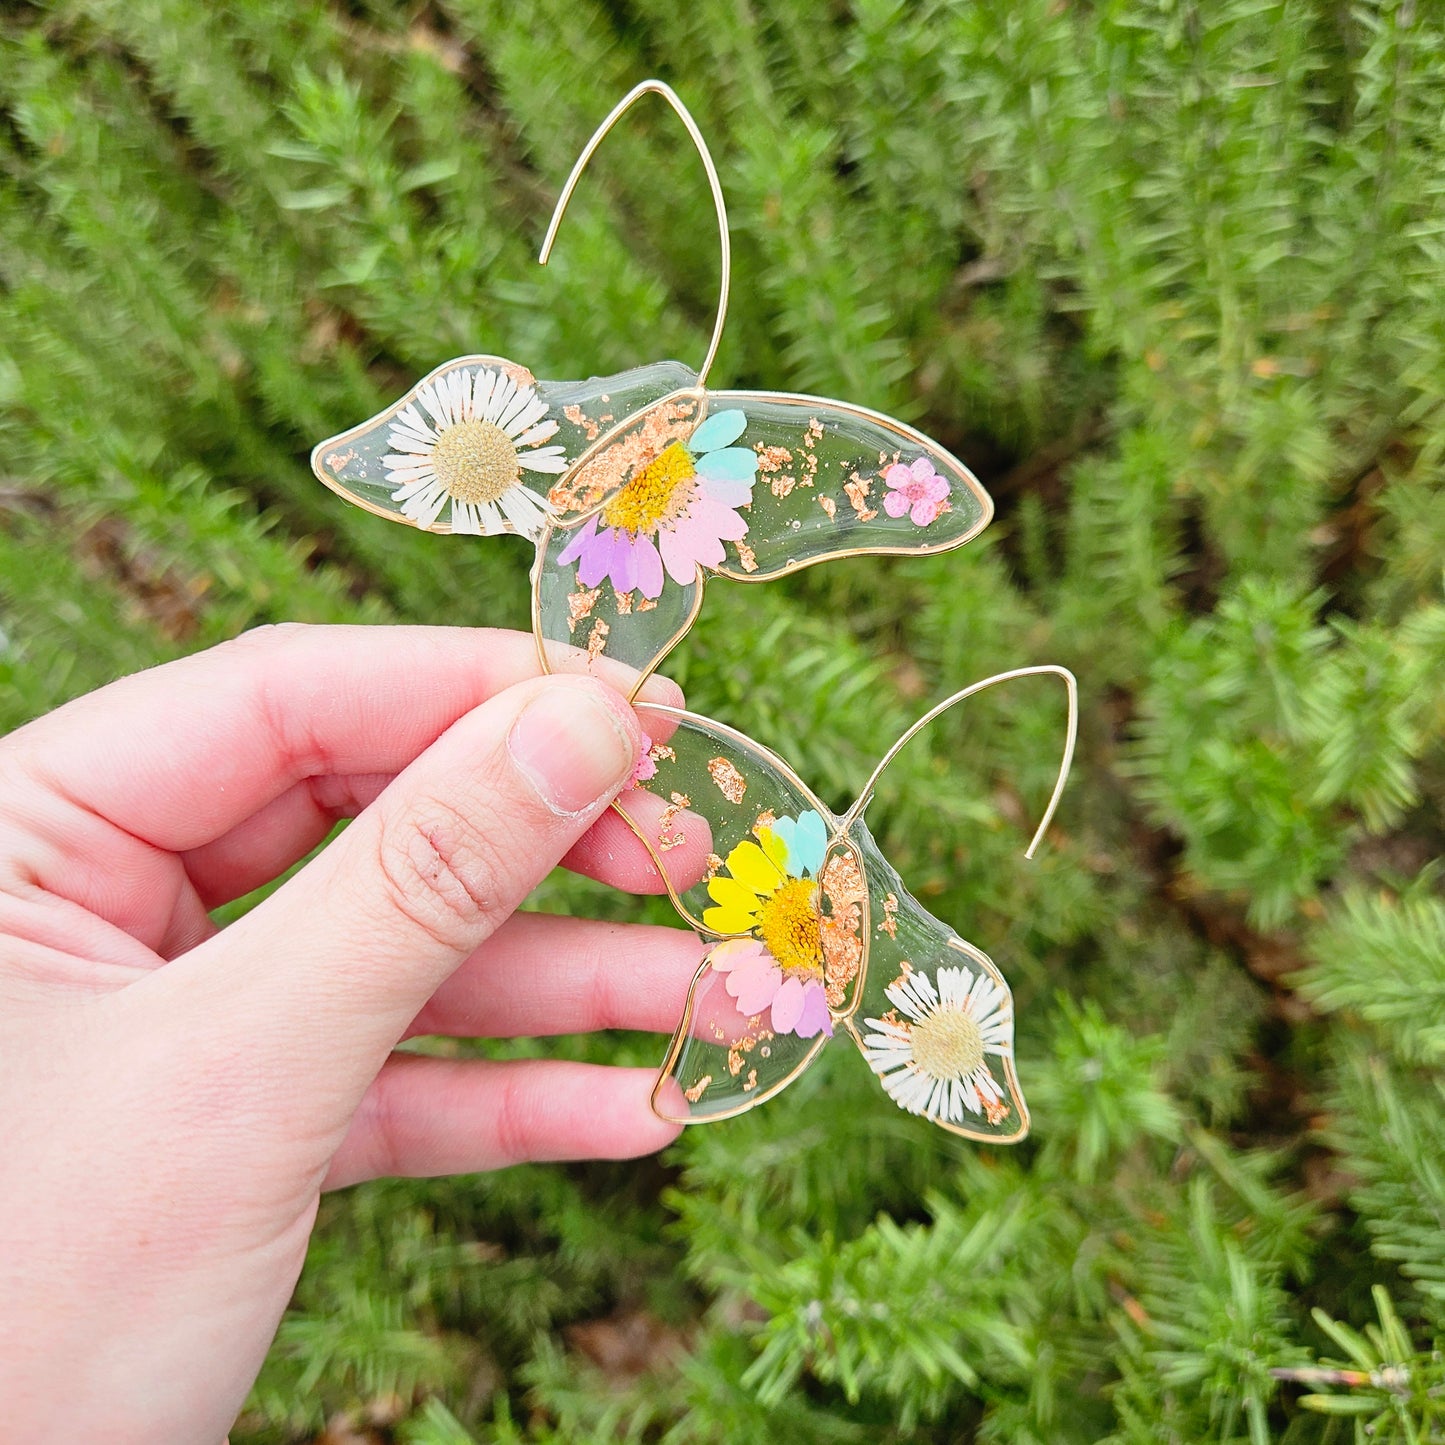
(1171, 276)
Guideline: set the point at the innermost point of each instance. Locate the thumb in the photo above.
(329, 971)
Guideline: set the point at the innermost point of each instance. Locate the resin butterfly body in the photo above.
(637, 487)
(814, 933)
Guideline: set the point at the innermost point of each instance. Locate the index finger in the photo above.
(181, 754)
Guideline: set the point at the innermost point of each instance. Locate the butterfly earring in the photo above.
(811, 930)
(636, 487)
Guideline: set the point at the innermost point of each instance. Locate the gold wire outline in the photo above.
(657, 87)
(982, 961)
(1071, 736)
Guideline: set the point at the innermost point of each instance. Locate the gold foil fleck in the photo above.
(337, 460)
(666, 839)
(766, 819)
(578, 417)
(829, 506)
(995, 1110)
(646, 604)
(693, 1094)
(580, 605)
(624, 602)
(714, 865)
(814, 431)
(747, 557)
(730, 782)
(890, 916)
(597, 639)
(781, 486)
(751, 1082)
(661, 752)
(857, 488)
(735, 1062)
(772, 459)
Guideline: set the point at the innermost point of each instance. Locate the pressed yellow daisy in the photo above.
(770, 891)
(934, 1061)
(484, 430)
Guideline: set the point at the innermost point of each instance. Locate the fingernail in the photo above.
(572, 748)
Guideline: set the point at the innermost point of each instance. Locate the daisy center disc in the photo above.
(788, 923)
(948, 1044)
(656, 493)
(475, 461)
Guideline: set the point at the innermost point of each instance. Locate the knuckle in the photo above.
(441, 874)
(266, 637)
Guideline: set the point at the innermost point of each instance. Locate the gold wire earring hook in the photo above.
(1071, 686)
(656, 87)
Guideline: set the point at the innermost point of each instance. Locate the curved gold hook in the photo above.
(656, 87)
(1071, 686)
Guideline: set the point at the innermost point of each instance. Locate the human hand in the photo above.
(174, 1098)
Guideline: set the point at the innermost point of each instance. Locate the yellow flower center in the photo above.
(948, 1044)
(788, 923)
(656, 493)
(475, 461)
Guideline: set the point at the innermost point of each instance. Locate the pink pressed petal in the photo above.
(897, 475)
(734, 951)
(649, 567)
(711, 552)
(922, 469)
(730, 494)
(754, 984)
(721, 522)
(574, 549)
(677, 558)
(787, 1005)
(936, 489)
(895, 504)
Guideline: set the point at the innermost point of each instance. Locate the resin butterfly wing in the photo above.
(752, 860)
(748, 485)
(478, 445)
(934, 1018)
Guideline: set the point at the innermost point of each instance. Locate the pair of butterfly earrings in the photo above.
(634, 489)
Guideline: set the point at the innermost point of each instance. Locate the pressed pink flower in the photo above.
(673, 515)
(752, 976)
(646, 768)
(916, 489)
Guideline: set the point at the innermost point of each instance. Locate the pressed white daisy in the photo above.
(934, 1060)
(466, 439)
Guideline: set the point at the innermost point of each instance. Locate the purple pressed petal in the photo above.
(813, 1018)
(624, 563)
(596, 559)
(574, 549)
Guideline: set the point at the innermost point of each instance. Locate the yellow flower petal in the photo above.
(732, 894)
(751, 866)
(728, 920)
(775, 848)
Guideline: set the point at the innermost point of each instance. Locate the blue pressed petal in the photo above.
(806, 848)
(717, 431)
(784, 830)
(731, 464)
